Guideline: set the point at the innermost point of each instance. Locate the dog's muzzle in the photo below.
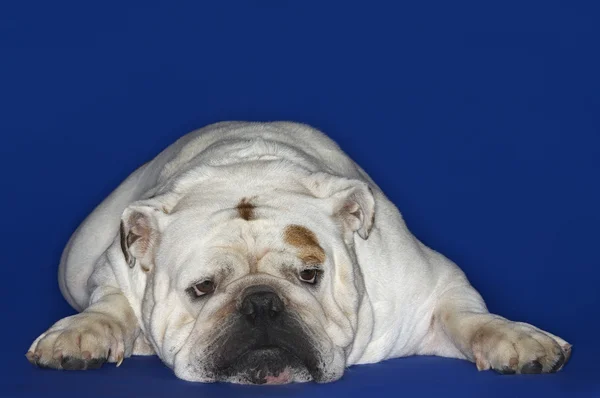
(264, 343)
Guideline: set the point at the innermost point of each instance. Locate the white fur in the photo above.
(386, 296)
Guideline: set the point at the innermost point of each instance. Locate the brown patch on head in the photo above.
(246, 209)
(306, 242)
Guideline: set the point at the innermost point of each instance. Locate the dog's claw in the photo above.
(533, 367)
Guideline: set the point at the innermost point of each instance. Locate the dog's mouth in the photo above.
(266, 365)
(283, 350)
(276, 353)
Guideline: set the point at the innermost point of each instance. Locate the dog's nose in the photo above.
(261, 304)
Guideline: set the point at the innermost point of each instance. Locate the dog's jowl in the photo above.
(261, 253)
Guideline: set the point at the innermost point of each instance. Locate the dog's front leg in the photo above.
(105, 331)
(491, 341)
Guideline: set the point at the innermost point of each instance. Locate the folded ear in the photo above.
(139, 234)
(351, 200)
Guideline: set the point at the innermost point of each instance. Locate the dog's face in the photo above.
(251, 288)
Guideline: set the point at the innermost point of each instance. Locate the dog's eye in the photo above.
(309, 275)
(202, 288)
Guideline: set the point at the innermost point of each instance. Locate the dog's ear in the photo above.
(349, 199)
(139, 233)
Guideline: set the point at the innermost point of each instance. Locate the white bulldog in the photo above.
(261, 253)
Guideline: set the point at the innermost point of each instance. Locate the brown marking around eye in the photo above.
(246, 209)
(309, 250)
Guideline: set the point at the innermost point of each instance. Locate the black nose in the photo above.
(261, 305)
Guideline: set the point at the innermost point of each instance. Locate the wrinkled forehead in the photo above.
(249, 228)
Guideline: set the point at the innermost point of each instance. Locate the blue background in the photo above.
(478, 119)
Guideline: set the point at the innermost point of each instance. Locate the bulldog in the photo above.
(261, 253)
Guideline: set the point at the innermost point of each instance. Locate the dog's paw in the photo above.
(515, 347)
(79, 342)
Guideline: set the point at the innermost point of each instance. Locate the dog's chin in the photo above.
(266, 365)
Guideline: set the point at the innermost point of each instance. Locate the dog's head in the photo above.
(250, 279)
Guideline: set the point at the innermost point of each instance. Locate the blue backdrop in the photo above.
(478, 119)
